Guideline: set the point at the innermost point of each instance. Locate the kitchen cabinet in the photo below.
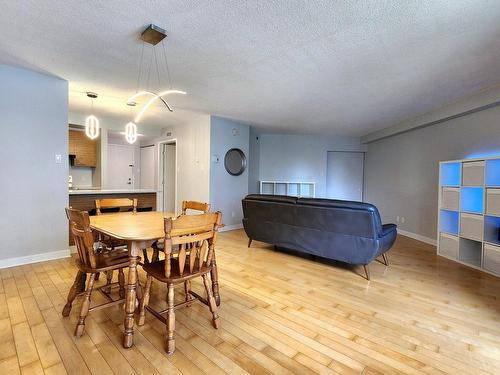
(84, 149)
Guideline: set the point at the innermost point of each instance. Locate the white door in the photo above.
(169, 177)
(344, 175)
(147, 167)
(120, 167)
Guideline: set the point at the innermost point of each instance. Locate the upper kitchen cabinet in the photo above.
(82, 150)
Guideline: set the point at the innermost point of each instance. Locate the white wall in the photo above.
(34, 189)
(298, 157)
(401, 171)
(227, 191)
(193, 159)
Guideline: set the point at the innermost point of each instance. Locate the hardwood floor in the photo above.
(280, 313)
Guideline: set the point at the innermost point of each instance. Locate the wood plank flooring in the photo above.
(280, 314)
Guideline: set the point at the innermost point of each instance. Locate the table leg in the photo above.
(130, 296)
(215, 281)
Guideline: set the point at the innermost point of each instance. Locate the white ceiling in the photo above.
(336, 67)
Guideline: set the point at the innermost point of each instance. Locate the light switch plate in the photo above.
(58, 158)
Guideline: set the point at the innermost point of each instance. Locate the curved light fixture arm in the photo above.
(152, 100)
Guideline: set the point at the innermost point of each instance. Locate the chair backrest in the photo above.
(84, 240)
(196, 236)
(195, 206)
(118, 203)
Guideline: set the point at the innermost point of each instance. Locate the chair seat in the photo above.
(106, 261)
(157, 270)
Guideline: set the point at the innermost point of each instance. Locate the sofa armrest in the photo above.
(387, 228)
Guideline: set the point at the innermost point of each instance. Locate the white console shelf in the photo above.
(295, 189)
(469, 213)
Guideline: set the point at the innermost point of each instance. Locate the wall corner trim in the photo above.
(418, 237)
(479, 101)
(34, 258)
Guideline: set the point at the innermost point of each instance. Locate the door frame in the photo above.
(130, 147)
(362, 178)
(159, 197)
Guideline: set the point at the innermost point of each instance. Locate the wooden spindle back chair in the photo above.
(115, 203)
(195, 236)
(194, 206)
(91, 262)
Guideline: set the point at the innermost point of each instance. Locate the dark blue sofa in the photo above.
(346, 231)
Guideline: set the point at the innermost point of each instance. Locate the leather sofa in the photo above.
(345, 231)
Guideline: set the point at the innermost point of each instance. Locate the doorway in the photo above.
(344, 175)
(120, 174)
(168, 181)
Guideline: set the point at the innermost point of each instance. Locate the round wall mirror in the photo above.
(235, 162)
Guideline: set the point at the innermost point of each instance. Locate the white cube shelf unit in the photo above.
(295, 189)
(469, 213)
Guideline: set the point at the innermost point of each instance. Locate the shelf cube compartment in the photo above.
(448, 245)
(473, 173)
(267, 188)
(450, 198)
(492, 229)
(491, 260)
(450, 174)
(471, 226)
(293, 189)
(280, 188)
(448, 221)
(470, 252)
(493, 202)
(472, 199)
(492, 174)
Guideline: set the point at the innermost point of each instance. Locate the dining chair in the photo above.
(91, 262)
(186, 205)
(196, 236)
(112, 205)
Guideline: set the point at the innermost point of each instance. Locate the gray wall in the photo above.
(299, 157)
(34, 189)
(401, 172)
(226, 191)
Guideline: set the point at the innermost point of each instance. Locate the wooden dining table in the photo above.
(139, 230)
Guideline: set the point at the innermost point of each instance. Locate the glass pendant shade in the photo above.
(92, 127)
(131, 132)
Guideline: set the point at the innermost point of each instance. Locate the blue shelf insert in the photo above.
(448, 221)
(472, 199)
(493, 172)
(450, 174)
(492, 229)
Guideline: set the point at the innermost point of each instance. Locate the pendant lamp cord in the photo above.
(166, 64)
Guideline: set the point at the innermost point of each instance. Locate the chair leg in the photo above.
(170, 320)
(145, 254)
(85, 307)
(367, 271)
(109, 279)
(121, 283)
(144, 301)
(386, 259)
(72, 294)
(249, 242)
(138, 290)
(211, 302)
(187, 290)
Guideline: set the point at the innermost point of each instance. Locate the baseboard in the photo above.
(418, 237)
(230, 227)
(35, 258)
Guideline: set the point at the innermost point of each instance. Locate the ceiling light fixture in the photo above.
(131, 132)
(152, 35)
(92, 122)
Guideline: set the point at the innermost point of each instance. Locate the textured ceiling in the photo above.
(336, 67)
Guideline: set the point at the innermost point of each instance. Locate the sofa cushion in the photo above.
(272, 198)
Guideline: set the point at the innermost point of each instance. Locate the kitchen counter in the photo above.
(84, 199)
(110, 191)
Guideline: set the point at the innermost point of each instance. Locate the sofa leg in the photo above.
(249, 242)
(386, 260)
(367, 271)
